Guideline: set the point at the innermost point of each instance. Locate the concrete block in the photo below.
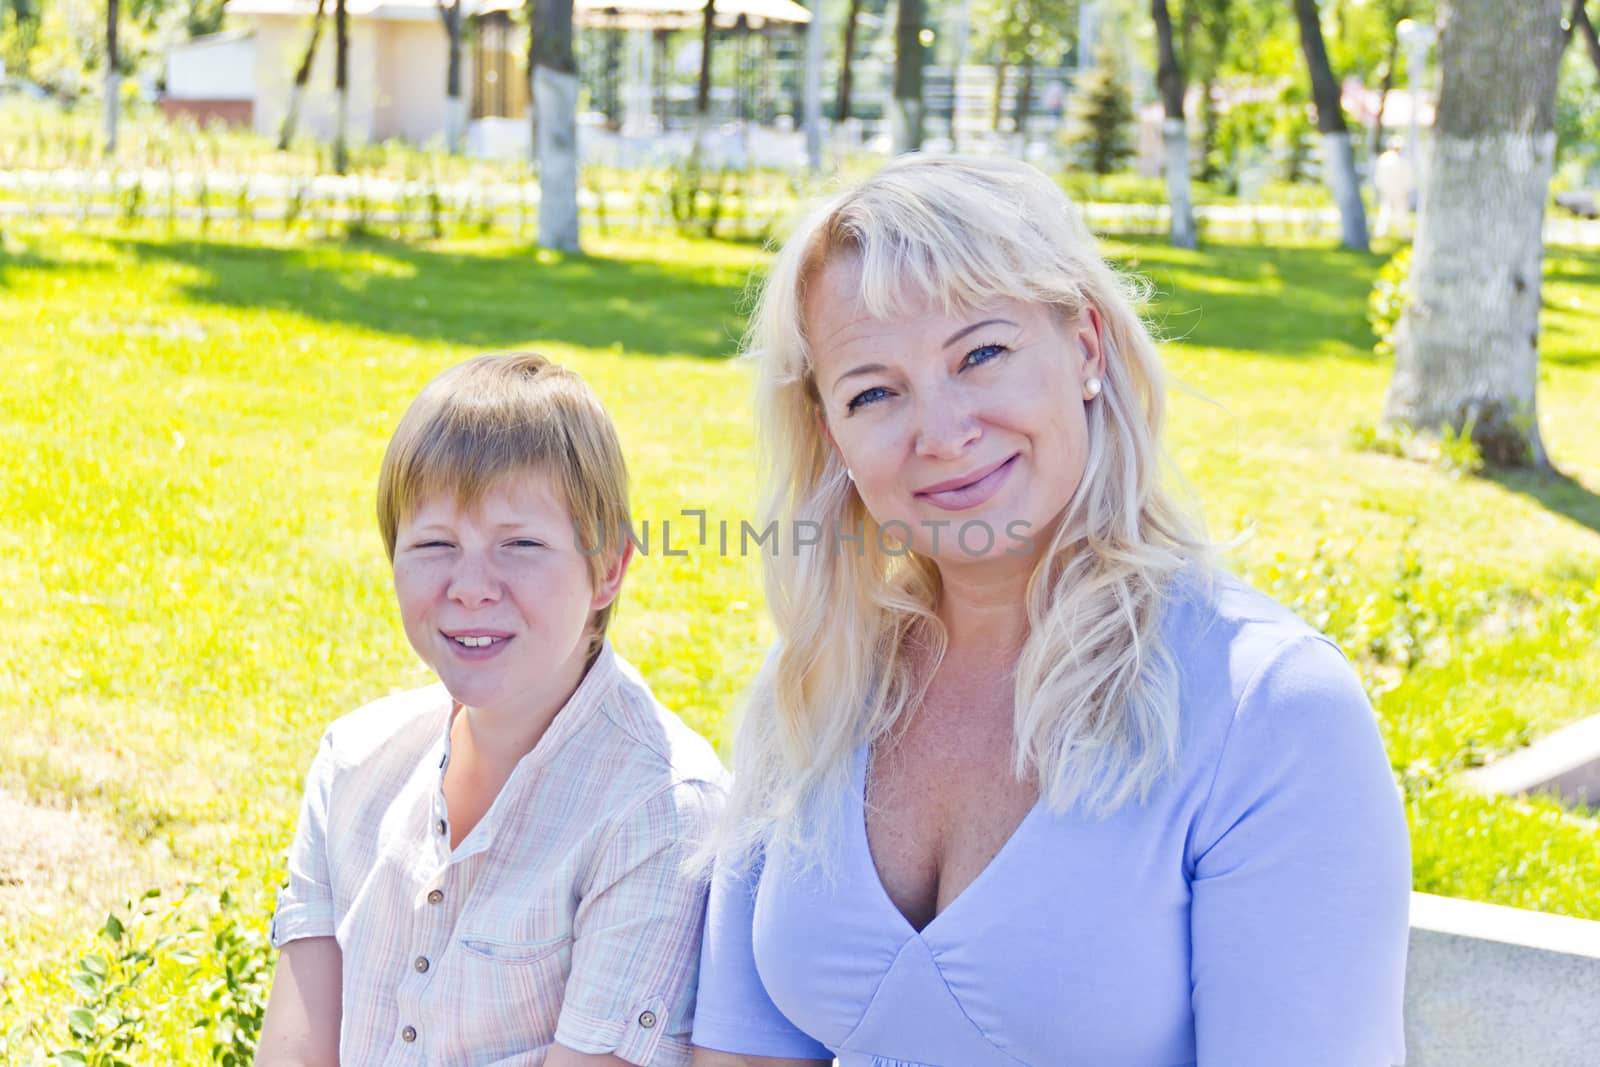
(1566, 763)
(1489, 986)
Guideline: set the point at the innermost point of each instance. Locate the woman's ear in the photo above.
(611, 582)
(822, 428)
(1091, 345)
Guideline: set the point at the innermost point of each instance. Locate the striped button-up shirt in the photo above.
(565, 915)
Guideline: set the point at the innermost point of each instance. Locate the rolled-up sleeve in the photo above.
(305, 903)
(1301, 877)
(734, 1013)
(636, 934)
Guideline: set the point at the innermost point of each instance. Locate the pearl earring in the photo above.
(848, 473)
(1092, 387)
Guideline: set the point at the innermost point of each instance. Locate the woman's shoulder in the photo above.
(1222, 632)
(1248, 667)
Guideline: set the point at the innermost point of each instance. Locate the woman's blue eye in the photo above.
(526, 542)
(984, 354)
(867, 396)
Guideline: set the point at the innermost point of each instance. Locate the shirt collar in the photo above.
(584, 703)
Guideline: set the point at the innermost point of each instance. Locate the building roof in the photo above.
(395, 10)
(610, 14)
(212, 40)
(670, 14)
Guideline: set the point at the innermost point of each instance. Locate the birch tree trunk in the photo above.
(555, 86)
(1174, 129)
(1375, 141)
(906, 121)
(1466, 348)
(113, 79)
(1338, 157)
(702, 92)
(1022, 106)
(341, 85)
(455, 108)
(302, 75)
(998, 110)
(847, 62)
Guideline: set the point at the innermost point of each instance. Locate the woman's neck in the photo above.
(985, 610)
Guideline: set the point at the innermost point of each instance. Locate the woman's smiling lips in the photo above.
(969, 490)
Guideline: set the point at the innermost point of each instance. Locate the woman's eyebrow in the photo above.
(865, 368)
(959, 334)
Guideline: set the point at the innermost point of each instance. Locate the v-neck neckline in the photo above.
(972, 888)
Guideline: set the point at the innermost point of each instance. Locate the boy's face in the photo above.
(497, 599)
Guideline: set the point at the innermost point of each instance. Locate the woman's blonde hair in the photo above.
(493, 417)
(1096, 697)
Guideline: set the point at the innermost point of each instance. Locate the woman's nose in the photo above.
(946, 424)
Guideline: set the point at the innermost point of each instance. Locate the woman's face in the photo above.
(970, 429)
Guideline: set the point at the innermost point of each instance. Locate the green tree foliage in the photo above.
(1101, 114)
(61, 43)
(1578, 113)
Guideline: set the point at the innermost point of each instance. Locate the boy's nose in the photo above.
(474, 582)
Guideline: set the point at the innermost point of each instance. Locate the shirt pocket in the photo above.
(517, 984)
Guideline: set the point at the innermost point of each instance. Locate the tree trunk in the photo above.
(847, 62)
(1375, 142)
(1209, 172)
(1022, 105)
(113, 100)
(455, 107)
(555, 82)
(1466, 348)
(702, 93)
(1338, 160)
(533, 93)
(1579, 22)
(302, 76)
(907, 118)
(341, 84)
(811, 102)
(1174, 129)
(1000, 72)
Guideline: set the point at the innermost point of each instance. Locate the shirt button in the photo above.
(409, 1034)
(647, 1019)
(435, 897)
(421, 965)
(440, 826)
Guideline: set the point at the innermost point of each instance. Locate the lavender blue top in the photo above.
(1253, 911)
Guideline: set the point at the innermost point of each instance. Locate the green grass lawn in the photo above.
(195, 586)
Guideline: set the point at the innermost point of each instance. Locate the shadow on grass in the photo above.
(1570, 329)
(1281, 301)
(12, 261)
(1553, 491)
(518, 296)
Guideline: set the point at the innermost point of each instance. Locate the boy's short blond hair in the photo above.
(495, 416)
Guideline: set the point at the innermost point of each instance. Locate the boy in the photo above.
(490, 870)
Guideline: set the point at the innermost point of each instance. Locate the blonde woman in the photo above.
(1026, 781)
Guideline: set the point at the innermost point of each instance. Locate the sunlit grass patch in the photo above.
(191, 430)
